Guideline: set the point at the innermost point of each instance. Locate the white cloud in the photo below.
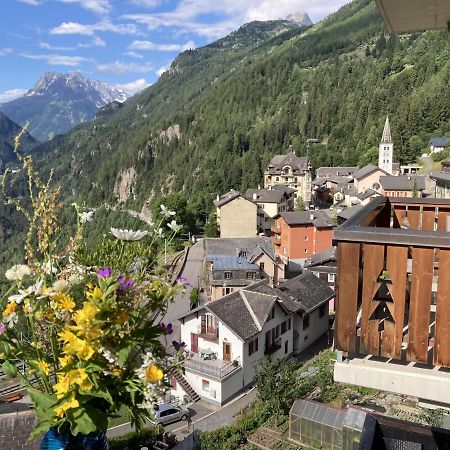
(97, 6)
(133, 87)
(57, 60)
(90, 29)
(46, 46)
(134, 55)
(145, 3)
(147, 45)
(11, 94)
(5, 51)
(30, 2)
(96, 42)
(161, 70)
(121, 68)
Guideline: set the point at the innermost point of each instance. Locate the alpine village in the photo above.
(251, 252)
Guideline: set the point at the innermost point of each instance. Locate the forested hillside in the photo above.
(213, 121)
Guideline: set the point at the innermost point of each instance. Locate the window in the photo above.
(331, 277)
(322, 310)
(286, 347)
(205, 385)
(306, 323)
(306, 238)
(283, 327)
(261, 265)
(306, 250)
(226, 291)
(277, 330)
(277, 179)
(228, 275)
(252, 347)
(249, 275)
(289, 323)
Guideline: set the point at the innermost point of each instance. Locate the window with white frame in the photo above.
(228, 275)
(331, 277)
(205, 385)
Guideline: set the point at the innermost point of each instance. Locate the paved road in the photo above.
(191, 271)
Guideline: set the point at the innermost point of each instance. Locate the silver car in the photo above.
(166, 413)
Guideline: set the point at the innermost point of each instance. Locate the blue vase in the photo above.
(53, 440)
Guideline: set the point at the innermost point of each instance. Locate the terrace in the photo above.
(393, 297)
(215, 369)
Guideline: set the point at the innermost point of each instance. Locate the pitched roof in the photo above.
(327, 172)
(233, 246)
(439, 141)
(321, 257)
(365, 171)
(307, 291)
(228, 197)
(367, 193)
(349, 212)
(317, 218)
(259, 304)
(440, 176)
(225, 262)
(402, 183)
(290, 159)
(387, 136)
(265, 195)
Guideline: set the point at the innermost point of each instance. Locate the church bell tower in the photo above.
(386, 149)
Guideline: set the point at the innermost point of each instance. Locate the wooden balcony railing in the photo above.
(272, 347)
(393, 281)
(208, 333)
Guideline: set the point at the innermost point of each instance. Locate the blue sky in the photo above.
(127, 43)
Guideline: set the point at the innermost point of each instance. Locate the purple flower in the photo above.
(178, 345)
(184, 281)
(124, 285)
(105, 272)
(167, 328)
(2, 328)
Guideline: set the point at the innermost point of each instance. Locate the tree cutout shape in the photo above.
(382, 301)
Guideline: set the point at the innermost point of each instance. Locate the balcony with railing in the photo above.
(393, 293)
(272, 346)
(210, 333)
(215, 369)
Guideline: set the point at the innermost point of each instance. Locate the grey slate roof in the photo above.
(367, 193)
(228, 197)
(224, 262)
(290, 159)
(440, 176)
(308, 291)
(439, 141)
(321, 257)
(232, 246)
(328, 172)
(265, 195)
(286, 189)
(260, 304)
(366, 170)
(320, 219)
(402, 183)
(349, 212)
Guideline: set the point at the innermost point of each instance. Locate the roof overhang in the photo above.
(415, 15)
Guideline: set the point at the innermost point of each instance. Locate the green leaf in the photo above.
(86, 420)
(9, 369)
(5, 348)
(42, 427)
(42, 400)
(99, 392)
(123, 355)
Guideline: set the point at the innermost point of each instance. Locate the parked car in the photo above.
(166, 413)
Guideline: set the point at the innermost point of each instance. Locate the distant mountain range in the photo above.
(301, 19)
(58, 102)
(8, 131)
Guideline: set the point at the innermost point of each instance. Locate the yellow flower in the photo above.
(154, 373)
(68, 336)
(85, 314)
(80, 377)
(44, 366)
(84, 350)
(62, 387)
(65, 360)
(10, 308)
(64, 301)
(72, 403)
(96, 293)
(117, 372)
(121, 317)
(27, 309)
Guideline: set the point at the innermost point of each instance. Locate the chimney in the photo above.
(311, 217)
(255, 196)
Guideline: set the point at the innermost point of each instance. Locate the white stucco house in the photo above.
(228, 338)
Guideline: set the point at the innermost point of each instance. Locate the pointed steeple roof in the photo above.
(387, 136)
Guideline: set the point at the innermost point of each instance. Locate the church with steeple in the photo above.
(386, 150)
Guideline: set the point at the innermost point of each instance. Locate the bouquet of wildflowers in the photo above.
(87, 335)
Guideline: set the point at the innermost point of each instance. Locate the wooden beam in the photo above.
(443, 213)
(396, 265)
(347, 295)
(373, 257)
(428, 218)
(441, 354)
(413, 215)
(420, 303)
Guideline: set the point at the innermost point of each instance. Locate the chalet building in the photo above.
(442, 180)
(438, 144)
(271, 202)
(402, 186)
(392, 304)
(330, 172)
(237, 217)
(232, 264)
(228, 338)
(298, 235)
(291, 171)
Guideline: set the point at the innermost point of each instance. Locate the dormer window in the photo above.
(228, 275)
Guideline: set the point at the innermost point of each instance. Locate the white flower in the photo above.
(17, 272)
(165, 212)
(19, 297)
(49, 268)
(174, 226)
(60, 285)
(128, 235)
(11, 320)
(160, 232)
(86, 216)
